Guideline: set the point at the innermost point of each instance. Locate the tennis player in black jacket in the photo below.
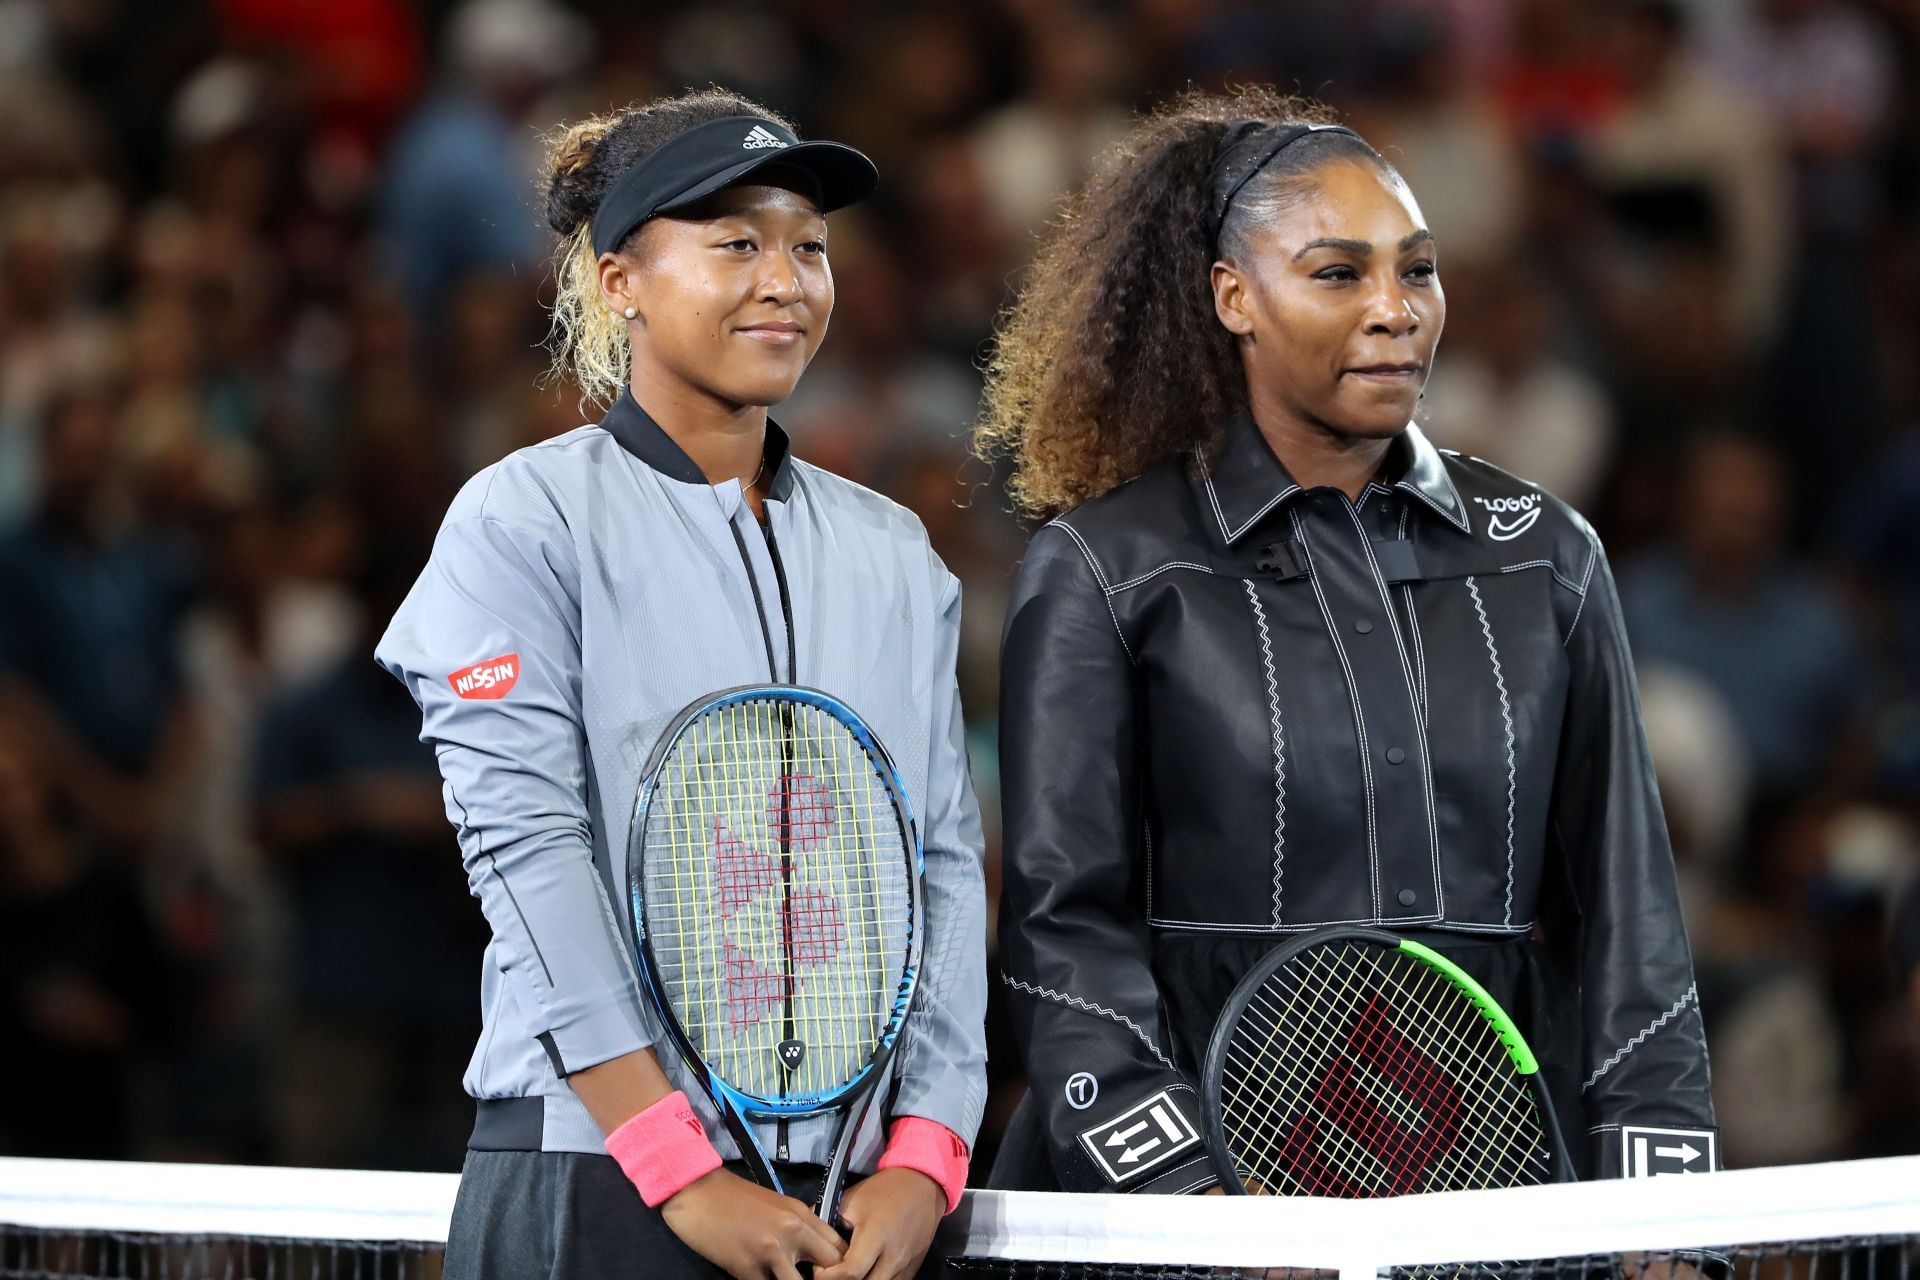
(1277, 663)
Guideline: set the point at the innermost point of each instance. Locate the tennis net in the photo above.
(1858, 1220)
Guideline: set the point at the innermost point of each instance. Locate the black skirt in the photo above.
(566, 1215)
(1197, 972)
(559, 1215)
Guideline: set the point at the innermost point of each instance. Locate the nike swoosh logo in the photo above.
(1500, 531)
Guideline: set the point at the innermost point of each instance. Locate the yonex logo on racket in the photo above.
(758, 139)
(490, 679)
(804, 927)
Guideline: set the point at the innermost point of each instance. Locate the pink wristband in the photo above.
(662, 1149)
(929, 1147)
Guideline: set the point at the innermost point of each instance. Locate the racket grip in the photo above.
(929, 1147)
(663, 1148)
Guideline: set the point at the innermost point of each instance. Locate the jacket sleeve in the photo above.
(943, 1047)
(488, 643)
(1118, 1114)
(1644, 1062)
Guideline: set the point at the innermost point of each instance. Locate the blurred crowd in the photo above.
(271, 287)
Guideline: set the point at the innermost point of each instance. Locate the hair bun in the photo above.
(571, 192)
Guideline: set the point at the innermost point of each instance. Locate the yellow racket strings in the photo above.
(775, 886)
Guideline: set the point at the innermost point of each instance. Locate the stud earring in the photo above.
(631, 313)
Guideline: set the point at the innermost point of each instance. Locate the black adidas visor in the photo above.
(708, 157)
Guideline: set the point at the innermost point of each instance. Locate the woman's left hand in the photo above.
(893, 1215)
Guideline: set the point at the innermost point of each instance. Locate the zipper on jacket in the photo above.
(759, 606)
(782, 1145)
(786, 799)
(786, 601)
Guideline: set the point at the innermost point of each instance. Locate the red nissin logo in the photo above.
(489, 679)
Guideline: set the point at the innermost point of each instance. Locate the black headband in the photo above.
(1245, 150)
(693, 165)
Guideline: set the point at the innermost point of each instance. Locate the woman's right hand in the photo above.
(748, 1231)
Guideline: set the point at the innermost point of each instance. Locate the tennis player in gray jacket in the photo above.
(581, 592)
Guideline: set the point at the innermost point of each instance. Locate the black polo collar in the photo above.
(1244, 482)
(637, 433)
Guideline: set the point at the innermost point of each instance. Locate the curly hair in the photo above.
(1112, 359)
(589, 342)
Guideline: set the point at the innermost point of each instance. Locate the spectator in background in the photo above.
(88, 641)
(460, 174)
(1443, 134)
(383, 944)
(1037, 147)
(1502, 394)
(85, 993)
(1824, 74)
(1680, 124)
(1777, 1057)
(1726, 601)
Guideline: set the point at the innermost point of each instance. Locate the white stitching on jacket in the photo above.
(1413, 626)
(1130, 583)
(1586, 580)
(1419, 721)
(1098, 576)
(1279, 750)
(1230, 534)
(1550, 567)
(1077, 1003)
(1451, 926)
(1506, 715)
(1359, 719)
(1692, 994)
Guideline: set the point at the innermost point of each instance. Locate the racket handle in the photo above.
(829, 1207)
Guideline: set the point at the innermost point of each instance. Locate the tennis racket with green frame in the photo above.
(1354, 1063)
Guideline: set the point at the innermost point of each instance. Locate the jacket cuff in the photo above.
(1191, 1178)
(929, 1147)
(1145, 1143)
(1645, 1151)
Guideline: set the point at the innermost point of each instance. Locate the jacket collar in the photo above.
(637, 433)
(1244, 482)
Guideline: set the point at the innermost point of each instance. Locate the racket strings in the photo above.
(1358, 1108)
(1368, 1122)
(1390, 1081)
(748, 950)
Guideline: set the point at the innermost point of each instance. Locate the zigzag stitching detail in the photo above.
(1692, 994)
(1506, 714)
(1077, 1003)
(1279, 751)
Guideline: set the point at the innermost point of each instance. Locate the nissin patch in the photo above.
(487, 680)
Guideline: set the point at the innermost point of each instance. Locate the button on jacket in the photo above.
(1234, 710)
(580, 593)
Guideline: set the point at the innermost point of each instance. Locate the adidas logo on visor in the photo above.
(758, 139)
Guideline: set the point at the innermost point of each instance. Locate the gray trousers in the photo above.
(564, 1215)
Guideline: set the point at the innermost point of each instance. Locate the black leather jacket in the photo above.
(1234, 710)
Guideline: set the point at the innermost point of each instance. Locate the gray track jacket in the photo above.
(581, 592)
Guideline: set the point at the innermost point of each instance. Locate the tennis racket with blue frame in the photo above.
(774, 880)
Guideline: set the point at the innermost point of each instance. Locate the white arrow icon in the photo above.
(1120, 1138)
(1687, 1152)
